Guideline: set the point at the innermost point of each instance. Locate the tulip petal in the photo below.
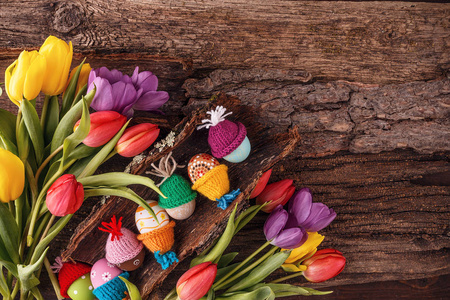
(124, 94)
(197, 281)
(103, 96)
(290, 238)
(12, 176)
(275, 222)
(324, 268)
(291, 268)
(112, 76)
(323, 221)
(300, 205)
(262, 182)
(34, 79)
(319, 212)
(151, 101)
(313, 241)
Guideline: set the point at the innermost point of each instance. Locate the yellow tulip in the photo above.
(305, 250)
(24, 77)
(59, 58)
(12, 176)
(82, 79)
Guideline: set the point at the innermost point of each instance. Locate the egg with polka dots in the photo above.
(103, 271)
(81, 289)
(199, 165)
(145, 222)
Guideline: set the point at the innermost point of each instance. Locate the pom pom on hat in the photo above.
(177, 190)
(224, 136)
(68, 273)
(122, 244)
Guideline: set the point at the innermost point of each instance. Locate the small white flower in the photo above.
(93, 273)
(106, 276)
(110, 265)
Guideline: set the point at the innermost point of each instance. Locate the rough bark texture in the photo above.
(365, 82)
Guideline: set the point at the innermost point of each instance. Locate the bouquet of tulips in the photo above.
(294, 237)
(47, 162)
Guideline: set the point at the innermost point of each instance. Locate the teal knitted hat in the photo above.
(177, 190)
(112, 290)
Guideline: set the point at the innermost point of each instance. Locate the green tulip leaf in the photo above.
(9, 234)
(68, 97)
(172, 295)
(291, 268)
(286, 290)
(23, 141)
(6, 144)
(51, 118)
(4, 289)
(121, 192)
(247, 216)
(8, 125)
(78, 136)
(99, 158)
(211, 294)
(216, 252)
(117, 179)
(34, 129)
(226, 259)
(262, 293)
(26, 273)
(260, 272)
(80, 94)
(133, 291)
(65, 126)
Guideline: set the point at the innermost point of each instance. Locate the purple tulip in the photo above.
(275, 229)
(122, 93)
(311, 216)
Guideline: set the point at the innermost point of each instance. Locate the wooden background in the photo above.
(366, 82)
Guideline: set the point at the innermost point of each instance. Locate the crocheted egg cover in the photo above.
(226, 137)
(126, 247)
(112, 290)
(161, 239)
(214, 184)
(177, 190)
(69, 273)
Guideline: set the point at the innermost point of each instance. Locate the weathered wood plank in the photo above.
(368, 42)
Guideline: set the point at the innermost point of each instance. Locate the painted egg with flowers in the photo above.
(200, 164)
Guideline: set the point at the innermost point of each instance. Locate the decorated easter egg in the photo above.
(103, 271)
(199, 165)
(145, 221)
(182, 212)
(240, 153)
(134, 263)
(81, 289)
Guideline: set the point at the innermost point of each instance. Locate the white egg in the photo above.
(145, 222)
(182, 212)
(241, 152)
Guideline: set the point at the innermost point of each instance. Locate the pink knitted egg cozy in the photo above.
(122, 244)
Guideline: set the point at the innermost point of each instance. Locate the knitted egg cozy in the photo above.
(177, 190)
(226, 137)
(112, 290)
(214, 184)
(123, 249)
(70, 272)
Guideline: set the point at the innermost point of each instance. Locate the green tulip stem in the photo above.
(46, 161)
(287, 277)
(15, 290)
(221, 283)
(12, 208)
(53, 278)
(44, 111)
(47, 228)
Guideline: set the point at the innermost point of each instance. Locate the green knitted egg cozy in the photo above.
(177, 190)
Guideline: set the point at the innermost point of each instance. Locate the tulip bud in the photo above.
(12, 176)
(197, 281)
(104, 125)
(24, 77)
(136, 139)
(82, 79)
(65, 196)
(262, 182)
(324, 265)
(306, 250)
(59, 58)
(278, 192)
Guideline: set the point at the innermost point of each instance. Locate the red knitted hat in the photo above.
(69, 273)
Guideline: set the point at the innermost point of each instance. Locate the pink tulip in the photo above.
(323, 265)
(197, 281)
(136, 139)
(104, 125)
(65, 196)
(262, 182)
(278, 192)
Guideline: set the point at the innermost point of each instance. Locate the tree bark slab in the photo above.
(208, 221)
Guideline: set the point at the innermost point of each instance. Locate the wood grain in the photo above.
(357, 41)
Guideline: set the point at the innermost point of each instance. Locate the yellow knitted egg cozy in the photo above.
(214, 184)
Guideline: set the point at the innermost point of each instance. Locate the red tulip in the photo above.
(197, 281)
(323, 265)
(136, 139)
(65, 196)
(278, 192)
(262, 182)
(104, 125)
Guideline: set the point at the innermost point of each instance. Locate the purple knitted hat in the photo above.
(122, 244)
(224, 136)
